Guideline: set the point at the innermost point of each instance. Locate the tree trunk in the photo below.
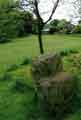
(40, 42)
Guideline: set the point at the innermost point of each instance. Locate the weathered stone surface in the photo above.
(57, 89)
(54, 86)
(46, 65)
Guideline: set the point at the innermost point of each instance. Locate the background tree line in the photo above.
(16, 23)
(64, 26)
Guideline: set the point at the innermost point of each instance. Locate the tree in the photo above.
(77, 29)
(77, 7)
(33, 5)
(54, 26)
(62, 26)
(13, 23)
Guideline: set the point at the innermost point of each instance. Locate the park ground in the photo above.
(16, 102)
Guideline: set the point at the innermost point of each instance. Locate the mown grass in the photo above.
(16, 104)
(16, 51)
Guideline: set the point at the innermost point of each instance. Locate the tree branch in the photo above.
(37, 11)
(53, 11)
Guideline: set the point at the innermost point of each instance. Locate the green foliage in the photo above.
(4, 38)
(53, 30)
(12, 67)
(61, 26)
(24, 105)
(77, 29)
(15, 104)
(75, 61)
(54, 22)
(16, 51)
(6, 76)
(54, 26)
(26, 61)
(21, 86)
(14, 23)
(67, 52)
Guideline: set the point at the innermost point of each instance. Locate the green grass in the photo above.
(17, 50)
(15, 105)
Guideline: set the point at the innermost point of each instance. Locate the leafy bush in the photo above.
(73, 51)
(67, 52)
(5, 76)
(64, 53)
(21, 86)
(26, 61)
(53, 30)
(77, 29)
(14, 23)
(12, 67)
(4, 39)
(75, 61)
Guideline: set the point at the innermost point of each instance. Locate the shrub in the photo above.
(26, 61)
(64, 53)
(53, 30)
(73, 51)
(67, 52)
(5, 76)
(14, 23)
(76, 61)
(21, 86)
(12, 67)
(4, 39)
(77, 29)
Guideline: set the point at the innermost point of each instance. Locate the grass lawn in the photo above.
(16, 104)
(21, 48)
